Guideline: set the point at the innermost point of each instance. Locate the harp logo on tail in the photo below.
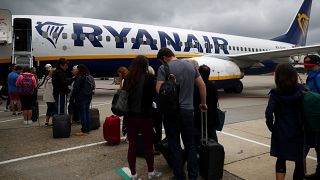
(303, 21)
(51, 31)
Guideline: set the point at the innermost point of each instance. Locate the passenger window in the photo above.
(230, 48)
(108, 38)
(234, 48)
(74, 36)
(91, 37)
(216, 46)
(117, 39)
(190, 44)
(241, 49)
(211, 46)
(249, 49)
(260, 49)
(55, 35)
(125, 39)
(140, 40)
(133, 40)
(45, 34)
(245, 49)
(82, 36)
(99, 38)
(186, 44)
(154, 41)
(257, 50)
(64, 35)
(237, 48)
(168, 43)
(148, 42)
(180, 44)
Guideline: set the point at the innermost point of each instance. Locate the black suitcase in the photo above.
(61, 123)
(165, 151)
(140, 146)
(95, 118)
(211, 156)
(35, 112)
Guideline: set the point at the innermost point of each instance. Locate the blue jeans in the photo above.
(176, 124)
(62, 104)
(84, 114)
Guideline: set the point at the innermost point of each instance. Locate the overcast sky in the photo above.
(252, 18)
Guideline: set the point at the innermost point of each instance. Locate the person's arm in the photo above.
(203, 93)
(160, 78)
(34, 82)
(269, 113)
(75, 88)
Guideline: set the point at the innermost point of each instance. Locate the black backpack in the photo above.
(168, 99)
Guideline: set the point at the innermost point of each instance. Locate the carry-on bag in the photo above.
(95, 118)
(111, 130)
(211, 155)
(61, 122)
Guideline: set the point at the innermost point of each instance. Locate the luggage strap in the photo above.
(204, 118)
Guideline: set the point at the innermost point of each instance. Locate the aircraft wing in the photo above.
(275, 54)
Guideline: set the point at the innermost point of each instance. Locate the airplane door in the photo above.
(5, 37)
(22, 42)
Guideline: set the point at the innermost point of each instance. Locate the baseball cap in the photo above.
(311, 60)
(47, 65)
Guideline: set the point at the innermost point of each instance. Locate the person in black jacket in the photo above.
(212, 101)
(60, 84)
(141, 88)
(284, 120)
(82, 92)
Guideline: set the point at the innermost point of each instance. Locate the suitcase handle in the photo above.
(65, 103)
(204, 118)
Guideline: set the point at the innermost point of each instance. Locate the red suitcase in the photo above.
(111, 130)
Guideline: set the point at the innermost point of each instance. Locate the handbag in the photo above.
(119, 105)
(221, 118)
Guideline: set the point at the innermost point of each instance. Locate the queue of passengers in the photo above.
(289, 140)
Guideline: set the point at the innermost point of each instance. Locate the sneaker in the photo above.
(81, 134)
(154, 174)
(14, 113)
(29, 122)
(6, 110)
(135, 177)
(25, 122)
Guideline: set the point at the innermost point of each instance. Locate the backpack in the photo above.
(168, 99)
(311, 111)
(89, 85)
(26, 85)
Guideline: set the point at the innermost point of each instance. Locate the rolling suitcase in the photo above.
(140, 146)
(165, 151)
(61, 123)
(111, 130)
(95, 118)
(211, 155)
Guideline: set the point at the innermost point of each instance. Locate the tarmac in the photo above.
(30, 152)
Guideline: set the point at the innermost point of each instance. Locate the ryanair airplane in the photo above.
(103, 46)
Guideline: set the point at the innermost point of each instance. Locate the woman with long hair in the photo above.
(82, 96)
(284, 120)
(122, 72)
(141, 88)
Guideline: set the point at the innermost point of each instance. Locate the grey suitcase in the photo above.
(61, 123)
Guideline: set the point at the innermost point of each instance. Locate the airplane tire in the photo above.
(238, 88)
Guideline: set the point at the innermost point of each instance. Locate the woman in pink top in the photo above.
(27, 84)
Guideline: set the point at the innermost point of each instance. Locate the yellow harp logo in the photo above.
(303, 21)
